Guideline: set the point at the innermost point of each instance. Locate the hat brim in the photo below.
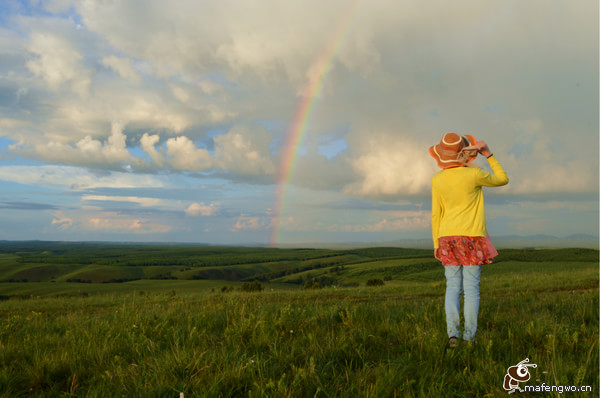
(444, 160)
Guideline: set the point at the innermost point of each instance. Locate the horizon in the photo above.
(538, 241)
(218, 123)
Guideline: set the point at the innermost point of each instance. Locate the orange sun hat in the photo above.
(454, 150)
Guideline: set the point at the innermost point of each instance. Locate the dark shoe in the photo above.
(452, 342)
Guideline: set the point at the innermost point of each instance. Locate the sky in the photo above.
(271, 122)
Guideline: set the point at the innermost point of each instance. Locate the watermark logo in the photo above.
(517, 374)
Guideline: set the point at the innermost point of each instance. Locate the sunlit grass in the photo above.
(334, 342)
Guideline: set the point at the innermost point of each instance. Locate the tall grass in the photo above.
(366, 342)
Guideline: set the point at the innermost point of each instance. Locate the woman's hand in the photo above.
(484, 149)
(437, 254)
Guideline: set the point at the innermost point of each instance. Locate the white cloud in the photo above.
(201, 209)
(9, 125)
(392, 221)
(62, 222)
(318, 172)
(88, 220)
(122, 66)
(142, 201)
(117, 222)
(180, 93)
(209, 87)
(148, 143)
(199, 100)
(245, 151)
(185, 155)
(566, 176)
(387, 165)
(77, 179)
(88, 151)
(240, 151)
(407, 223)
(55, 6)
(244, 222)
(149, 108)
(58, 62)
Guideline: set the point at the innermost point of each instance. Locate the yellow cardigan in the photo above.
(457, 200)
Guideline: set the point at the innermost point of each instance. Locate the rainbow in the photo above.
(297, 131)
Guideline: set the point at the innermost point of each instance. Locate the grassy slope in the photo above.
(334, 342)
(293, 267)
(157, 338)
(46, 262)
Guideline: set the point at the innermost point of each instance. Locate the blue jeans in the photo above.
(459, 277)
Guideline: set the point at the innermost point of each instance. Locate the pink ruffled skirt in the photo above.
(466, 250)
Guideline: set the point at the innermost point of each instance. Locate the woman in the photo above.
(458, 225)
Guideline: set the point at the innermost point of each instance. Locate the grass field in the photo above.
(160, 338)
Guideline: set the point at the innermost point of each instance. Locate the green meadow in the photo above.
(106, 320)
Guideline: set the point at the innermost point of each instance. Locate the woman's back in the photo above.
(457, 199)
